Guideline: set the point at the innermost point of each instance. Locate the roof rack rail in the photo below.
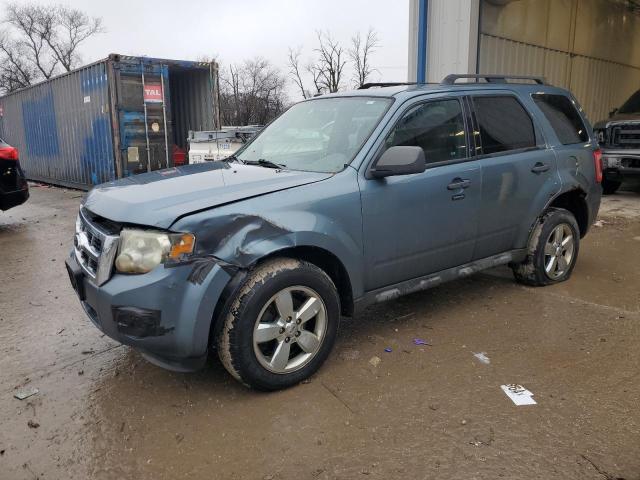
(364, 86)
(491, 78)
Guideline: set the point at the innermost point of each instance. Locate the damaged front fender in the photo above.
(238, 241)
(237, 236)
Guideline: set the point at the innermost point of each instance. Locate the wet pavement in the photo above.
(420, 411)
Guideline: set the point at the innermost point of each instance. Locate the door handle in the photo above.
(540, 167)
(458, 183)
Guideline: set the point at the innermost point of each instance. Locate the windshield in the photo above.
(632, 105)
(321, 135)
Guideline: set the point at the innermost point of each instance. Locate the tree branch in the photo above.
(294, 70)
(360, 55)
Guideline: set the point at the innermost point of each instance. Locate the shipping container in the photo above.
(117, 117)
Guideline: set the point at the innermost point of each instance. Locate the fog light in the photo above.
(139, 322)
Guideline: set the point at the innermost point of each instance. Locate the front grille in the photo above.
(625, 136)
(630, 162)
(94, 247)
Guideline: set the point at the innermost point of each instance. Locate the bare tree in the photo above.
(293, 60)
(330, 63)
(65, 30)
(208, 58)
(30, 21)
(40, 41)
(315, 72)
(296, 72)
(360, 54)
(327, 70)
(15, 70)
(251, 93)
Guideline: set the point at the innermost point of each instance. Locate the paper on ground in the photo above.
(26, 393)
(519, 394)
(482, 357)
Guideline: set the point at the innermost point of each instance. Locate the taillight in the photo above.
(8, 153)
(597, 160)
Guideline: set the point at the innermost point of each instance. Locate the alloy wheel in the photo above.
(558, 251)
(290, 329)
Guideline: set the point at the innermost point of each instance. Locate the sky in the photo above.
(233, 31)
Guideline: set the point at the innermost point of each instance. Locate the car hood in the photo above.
(159, 198)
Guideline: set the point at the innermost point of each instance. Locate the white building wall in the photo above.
(452, 41)
(413, 40)
(452, 38)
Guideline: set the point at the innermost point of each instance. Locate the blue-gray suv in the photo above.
(344, 200)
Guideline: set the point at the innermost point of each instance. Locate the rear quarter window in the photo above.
(563, 117)
(504, 124)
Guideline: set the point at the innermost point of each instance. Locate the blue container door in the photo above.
(143, 115)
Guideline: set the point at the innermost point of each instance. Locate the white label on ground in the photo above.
(482, 357)
(519, 394)
(26, 393)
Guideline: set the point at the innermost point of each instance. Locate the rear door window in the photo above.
(504, 124)
(563, 117)
(437, 127)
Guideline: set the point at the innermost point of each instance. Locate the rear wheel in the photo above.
(553, 250)
(610, 186)
(282, 325)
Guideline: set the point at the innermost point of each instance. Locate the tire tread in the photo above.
(529, 272)
(227, 341)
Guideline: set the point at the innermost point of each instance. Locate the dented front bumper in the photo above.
(166, 314)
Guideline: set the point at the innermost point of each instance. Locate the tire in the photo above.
(535, 271)
(610, 187)
(282, 305)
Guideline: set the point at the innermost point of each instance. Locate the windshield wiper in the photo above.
(230, 158)
(265, 163)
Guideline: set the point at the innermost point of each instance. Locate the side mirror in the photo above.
(399, 161)
(613, 112)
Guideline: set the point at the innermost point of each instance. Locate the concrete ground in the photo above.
(102, 412)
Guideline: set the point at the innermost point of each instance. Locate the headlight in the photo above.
(141, 251)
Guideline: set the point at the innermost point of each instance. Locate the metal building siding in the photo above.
(599, 85)
(501, 55)
(586, 46)
(62, 128)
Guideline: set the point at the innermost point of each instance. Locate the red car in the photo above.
(13, 186)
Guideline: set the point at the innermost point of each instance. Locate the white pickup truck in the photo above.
(213, 145)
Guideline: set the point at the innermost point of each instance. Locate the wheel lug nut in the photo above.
(298, 321)
(282, 330)
(287, 339)
(289, 319)
(297, 334)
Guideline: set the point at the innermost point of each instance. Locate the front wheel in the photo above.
(282, 325)
(553, 250)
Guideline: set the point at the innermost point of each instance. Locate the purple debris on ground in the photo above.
(388, 350)
(420, 341)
